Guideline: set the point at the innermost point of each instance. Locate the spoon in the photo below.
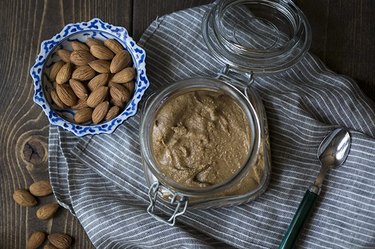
(332, 152)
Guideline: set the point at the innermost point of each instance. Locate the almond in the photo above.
(120, 61)
(81, 104)
(55, 68)
(130, 86)
(99, 80)
(92, 41)
(49, 246)
(117, 103)
(124, 76)
(83, 73)
(81, 57)
(57, 100)
(113, 45)
(83, 115)
(35, 240)
(76, 45)
(97, 96)
(100, 112)
(64, 73)
(101, 52)
(78, 88)
(24, 198)
(60, 240)
(41, 188)
(119, 93)
(100, 66)
(47, 211)
(64, 55)
(66, 94)
(112, 112)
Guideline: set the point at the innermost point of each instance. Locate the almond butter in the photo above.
(81, 104)
(97, 96)
(112, 112)
(64, 55)
(41, 188)
(57, 100)
(83, 73)
(113, 45)
(78, 88)
(119, 93)
(100, 66)
(100, 112)
(99, 80)
(60, 240)
(101, 52)
(46, 211)
(83, 115)
(92, 41)
(55, 68)
(64, 73)
(24, 198)
(130, 86)
(81, 57)
(124, 76)
(66, 94)
(49, 246)
(120, 61)
(35, 240)
(76, 45)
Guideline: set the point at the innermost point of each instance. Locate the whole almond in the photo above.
(24, 198)
(101, 52)
(64, 55)
(117, 103)
(35, 240)
(100, 112)
(99, 80)
(64, 73)
(113, 45)
(57, 100)
(119, 93)
(55, 68)
(83, 115)
(97, 96)
(78, 88)
(81, 104)
(112, 112)
(66, 94)
(124, 76)
(76, 45)
(130, 86)
(92, 41)
(49, 246)
(100, 66)
(81, 57)
(41, 188)
(47, 211)
(83, 73)
(60, 240)
(120, 61)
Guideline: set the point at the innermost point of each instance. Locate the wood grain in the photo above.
(343, 37)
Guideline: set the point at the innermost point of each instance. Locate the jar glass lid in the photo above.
(258, 36)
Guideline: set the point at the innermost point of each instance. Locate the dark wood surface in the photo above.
(343, 37)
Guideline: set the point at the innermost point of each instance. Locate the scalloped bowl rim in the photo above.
(142, 82)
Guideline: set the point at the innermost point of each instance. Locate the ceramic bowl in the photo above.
(100, 30)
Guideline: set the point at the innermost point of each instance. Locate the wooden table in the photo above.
(343, 37)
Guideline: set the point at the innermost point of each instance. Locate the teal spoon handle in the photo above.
(303, 212)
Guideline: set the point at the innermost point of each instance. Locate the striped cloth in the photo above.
(101, 180)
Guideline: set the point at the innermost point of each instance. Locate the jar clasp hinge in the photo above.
(242, 80)
(177, 199)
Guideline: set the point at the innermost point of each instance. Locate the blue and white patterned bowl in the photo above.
(100, 30)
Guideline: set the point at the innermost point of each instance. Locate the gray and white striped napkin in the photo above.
(100, 178)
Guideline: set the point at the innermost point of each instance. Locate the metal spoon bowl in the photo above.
(332, 152)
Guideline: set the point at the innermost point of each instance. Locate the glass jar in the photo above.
(249, 37)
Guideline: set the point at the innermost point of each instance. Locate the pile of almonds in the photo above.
(96, 79)
(27, 198)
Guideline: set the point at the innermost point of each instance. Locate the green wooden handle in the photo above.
(303, 212)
